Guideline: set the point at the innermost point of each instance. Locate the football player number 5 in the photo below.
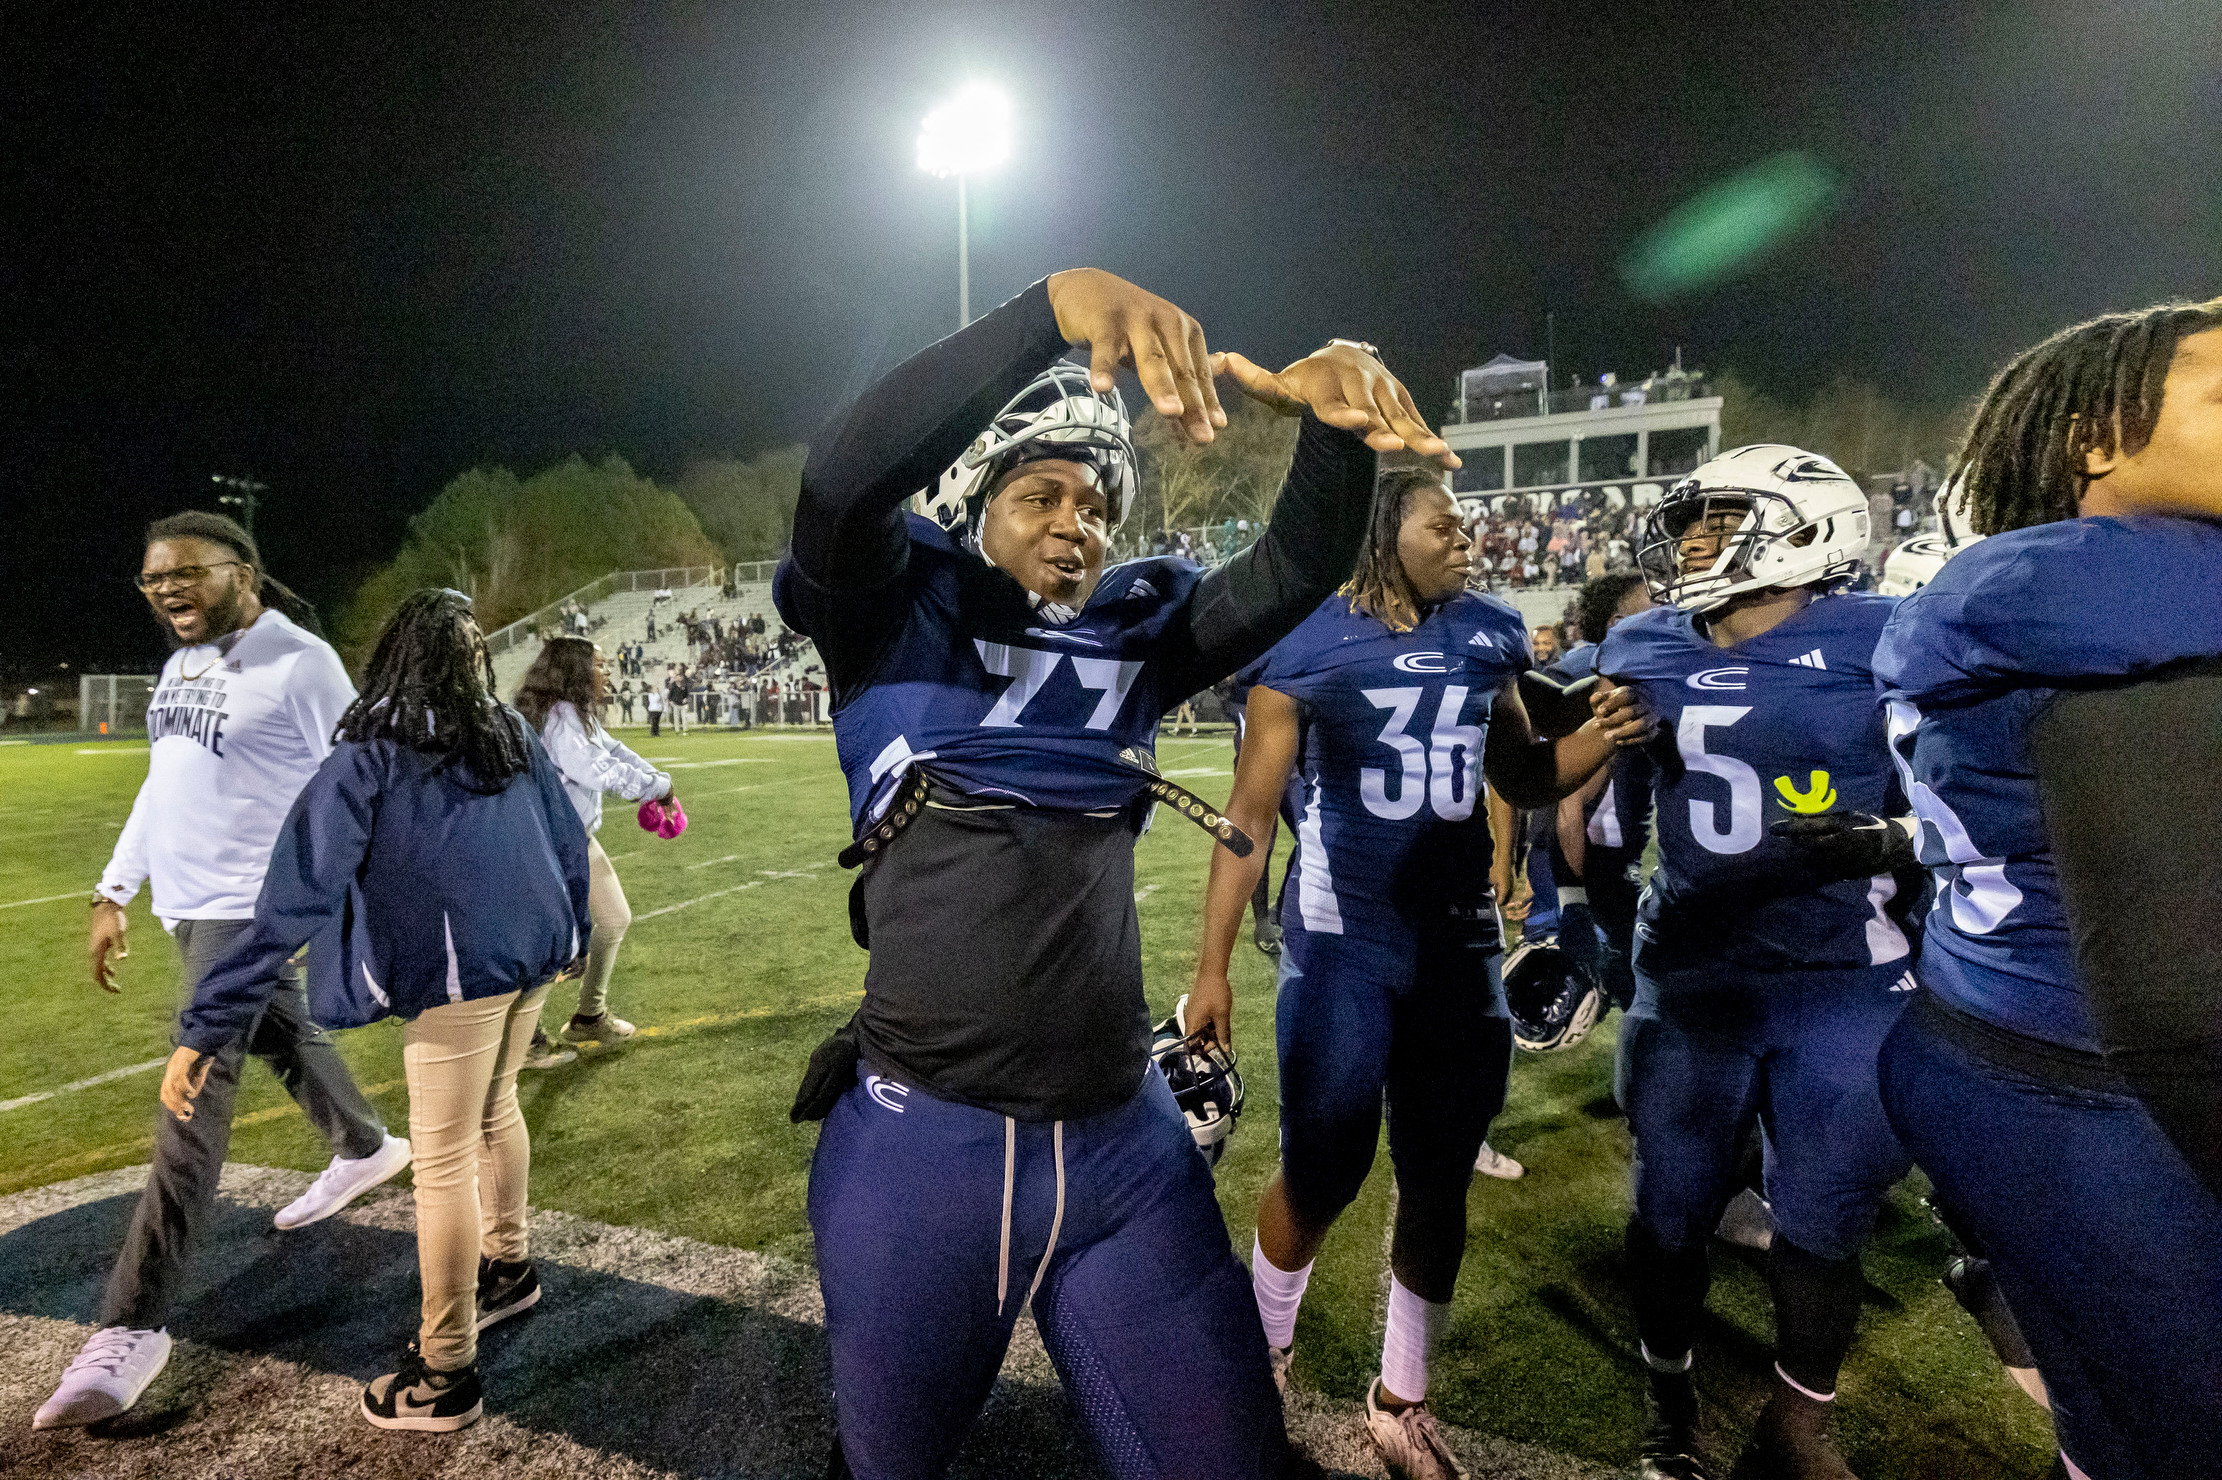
(1745, 800)
(1435, 773)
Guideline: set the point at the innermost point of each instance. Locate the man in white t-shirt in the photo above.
(240, 719)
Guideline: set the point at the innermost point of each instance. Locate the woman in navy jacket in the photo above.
(438, 873)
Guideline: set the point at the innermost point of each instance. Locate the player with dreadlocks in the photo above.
(1388, 703)
(437, 872)
(237, 723)
(2051, 697)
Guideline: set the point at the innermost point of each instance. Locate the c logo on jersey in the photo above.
(1422, 663)
(1718, 678)
(1818, 795)
(889, 1094)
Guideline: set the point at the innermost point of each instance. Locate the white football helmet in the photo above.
(1916, 562)
(1059, 414)
(1800, 521)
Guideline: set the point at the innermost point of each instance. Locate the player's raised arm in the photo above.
(899, 436)
(1351, 407)
(1269, 745)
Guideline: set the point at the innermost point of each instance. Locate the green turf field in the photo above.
(739, 960)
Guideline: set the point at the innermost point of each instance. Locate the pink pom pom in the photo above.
(652, 815)
(675, 820)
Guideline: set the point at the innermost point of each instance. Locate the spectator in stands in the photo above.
(675, 695)
(652, 700)
(756, 624)
(625, 700)
(562, 696)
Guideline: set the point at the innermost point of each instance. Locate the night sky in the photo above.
(357, 253)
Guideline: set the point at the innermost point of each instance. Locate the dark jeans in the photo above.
(2107, 1246)
(189, 1155)
(655, 723)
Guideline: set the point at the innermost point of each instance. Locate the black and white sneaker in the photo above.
(416, 1397)
(505, 1290)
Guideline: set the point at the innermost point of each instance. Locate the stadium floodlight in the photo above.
(964, 136)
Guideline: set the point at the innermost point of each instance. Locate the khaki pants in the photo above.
(472, 1157)
(612, 916)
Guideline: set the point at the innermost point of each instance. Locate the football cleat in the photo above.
(1553, 1004)
(1206, 1084)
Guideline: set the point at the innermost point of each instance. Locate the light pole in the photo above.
(241, 497)
(969, 133)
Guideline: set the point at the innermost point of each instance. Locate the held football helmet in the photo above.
(1916, 562)
(1786, 517)
(1059, 414)
(1553, 1004)
(1206, 1085)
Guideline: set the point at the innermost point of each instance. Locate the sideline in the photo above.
(18, 904)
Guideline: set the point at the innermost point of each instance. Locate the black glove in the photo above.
(1849, 845)
(1554, 708)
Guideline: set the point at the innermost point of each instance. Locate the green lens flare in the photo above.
(1726, 228)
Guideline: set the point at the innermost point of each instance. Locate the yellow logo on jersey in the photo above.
(1818, 796)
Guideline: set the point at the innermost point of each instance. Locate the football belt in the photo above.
(1188, 804)
(911, 796)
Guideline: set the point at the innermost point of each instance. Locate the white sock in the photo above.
(1278, 1291)
(1408, 1345)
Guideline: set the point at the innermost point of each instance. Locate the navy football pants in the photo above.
(1353, 1028)
(1798, 1050)
(932, 1220)
(2108, 1248)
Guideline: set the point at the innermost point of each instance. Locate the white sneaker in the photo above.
(342, 1182)
(106, 1378)
(607, 1028)
(1494, 1163)
(1409, 1443)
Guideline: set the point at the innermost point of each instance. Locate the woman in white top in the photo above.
(562, 696)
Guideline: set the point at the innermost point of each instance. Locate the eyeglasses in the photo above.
(177, 578)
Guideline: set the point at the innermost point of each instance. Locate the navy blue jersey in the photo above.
(1619, 817)
(1391, 833)
(997, 701)
(1783, 724)
(1967, 663)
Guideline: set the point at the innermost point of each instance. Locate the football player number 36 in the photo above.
(1443, 772)
(1739, 832)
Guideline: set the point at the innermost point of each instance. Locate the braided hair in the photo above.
(563, 673)
(2092, 387)
(199, 524)
(430, 686)
(1379, 587)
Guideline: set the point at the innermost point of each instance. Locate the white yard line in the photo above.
(116, 750)
(705, 863)
(672, 909)
(62, 1089)
(1144, 892)
(85, 894)
(1197, 771)
(738, 760)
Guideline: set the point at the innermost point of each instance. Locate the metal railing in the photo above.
(113, 703)
(675, 578)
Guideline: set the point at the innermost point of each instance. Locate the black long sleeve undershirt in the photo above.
(851, 543)
(2132, 785)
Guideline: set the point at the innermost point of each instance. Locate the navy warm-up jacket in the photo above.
(410, 889)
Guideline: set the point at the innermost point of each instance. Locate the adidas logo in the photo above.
(1141, 590)
(1811, 660)
(1480, 639)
